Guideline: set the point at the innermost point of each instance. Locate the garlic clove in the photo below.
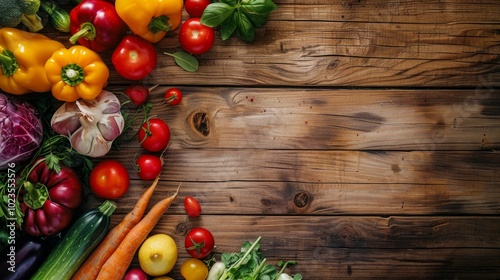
(111, 126)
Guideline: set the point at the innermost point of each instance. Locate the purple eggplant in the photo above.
(22, 259)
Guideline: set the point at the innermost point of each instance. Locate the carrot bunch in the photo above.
(111, 259)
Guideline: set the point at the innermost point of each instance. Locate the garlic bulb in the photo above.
(91, 125)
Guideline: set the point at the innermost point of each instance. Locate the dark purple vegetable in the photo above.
(21, 130)
(22, 259)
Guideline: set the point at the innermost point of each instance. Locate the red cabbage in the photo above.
(21, 130)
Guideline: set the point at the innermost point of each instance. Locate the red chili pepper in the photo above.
(96, 25)
(49, 199)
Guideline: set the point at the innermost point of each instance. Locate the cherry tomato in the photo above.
(173, 96)
(109, 179)
(192, 206)
(195, 8)
(134, 58)
(194, 269)
(138, 93)
(199, 242)
(148, 166)
(196, 38)
(154, 135)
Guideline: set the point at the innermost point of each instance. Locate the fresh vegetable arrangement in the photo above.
(58, 120)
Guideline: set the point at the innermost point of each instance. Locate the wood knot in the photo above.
(199, 122)
(181, 228)
(301, 200)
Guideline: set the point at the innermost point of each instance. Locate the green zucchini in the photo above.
(81, 238)
(58, 17)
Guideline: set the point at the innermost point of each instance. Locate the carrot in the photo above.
(92, 265)
(117, 264)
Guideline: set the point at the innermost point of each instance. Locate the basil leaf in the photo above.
(229, 26)
(258, 7)
(230, 2)
(185, 61)
(216, 13)
(258, 20)
(245, 28)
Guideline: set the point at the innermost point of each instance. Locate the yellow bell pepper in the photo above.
(77, 72)
(22, 60)
(150, 19)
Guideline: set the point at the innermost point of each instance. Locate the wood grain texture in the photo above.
(276, 118)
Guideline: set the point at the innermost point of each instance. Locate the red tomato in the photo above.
(196, 38)
(199, 242)
(134, 58)
(154, 135)
(138, 94)
(195, 8)
(109, 179)
(148, 166)
(192, 206)
(173, 96)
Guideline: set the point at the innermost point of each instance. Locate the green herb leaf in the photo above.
(229, 26)
(185, 61)
(258, 20)
(258, 6)
(258, 10)
(216, 13)
(230, 2)
(245, 28)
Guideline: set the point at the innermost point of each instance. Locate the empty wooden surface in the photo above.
(359, 138)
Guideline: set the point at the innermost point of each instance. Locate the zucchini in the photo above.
(81, 238)
(58, 17)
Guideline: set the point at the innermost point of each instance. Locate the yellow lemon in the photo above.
(158, 254)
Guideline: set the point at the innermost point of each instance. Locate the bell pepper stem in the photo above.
(72, 74)
(158, 24)
(36, 194)
(8, 63)
(87, 31)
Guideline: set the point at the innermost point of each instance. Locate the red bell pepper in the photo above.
(49, 199)
(95, 24)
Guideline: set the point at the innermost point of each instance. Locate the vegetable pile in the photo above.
(58, 121)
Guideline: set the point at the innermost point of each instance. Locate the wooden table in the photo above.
(359, 138)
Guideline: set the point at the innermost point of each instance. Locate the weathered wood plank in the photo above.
(306, 198)
(272, 118)
(334, 167)
(396, 11)
(360, 247)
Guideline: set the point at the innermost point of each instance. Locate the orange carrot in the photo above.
(117, 264)
(92, 265)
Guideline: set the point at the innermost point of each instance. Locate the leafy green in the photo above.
(238, 16)
(216, 13)
(185, 61)
(250, 264)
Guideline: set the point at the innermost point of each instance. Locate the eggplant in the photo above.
(28, 255)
